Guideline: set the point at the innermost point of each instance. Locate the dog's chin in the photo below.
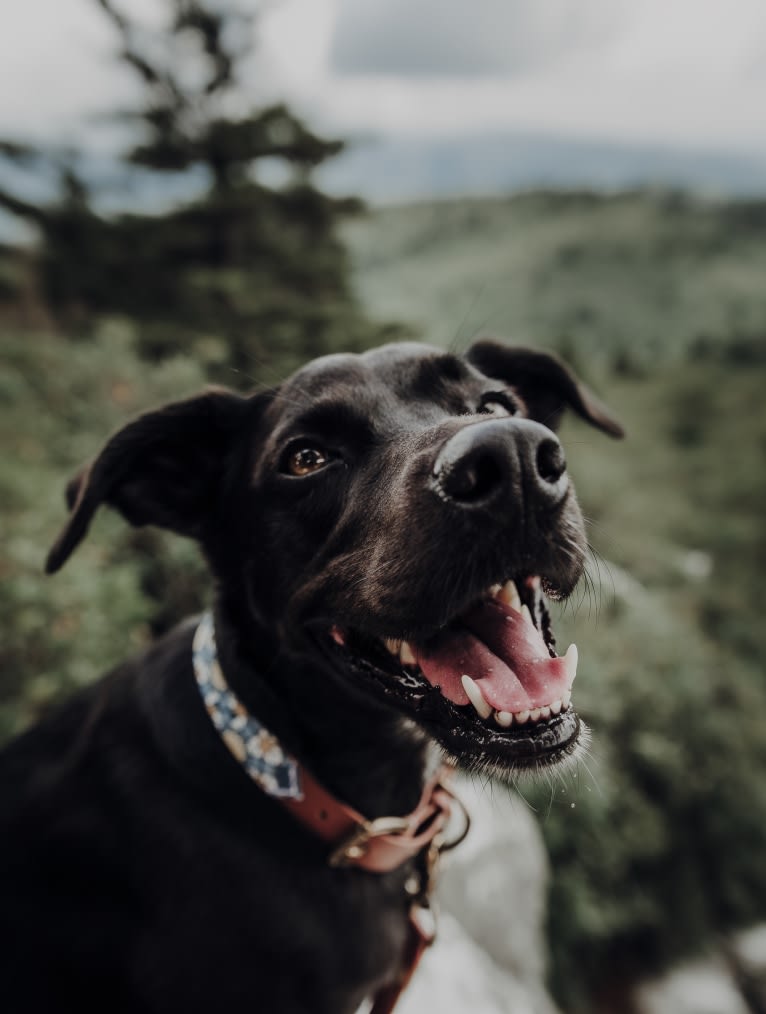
(488, 686)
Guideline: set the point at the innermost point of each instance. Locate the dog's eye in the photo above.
(497, 404)
(304, 460)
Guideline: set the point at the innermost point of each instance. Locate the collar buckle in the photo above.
(354, 847)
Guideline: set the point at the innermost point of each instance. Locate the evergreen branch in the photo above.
(22, 209)
(15, 151)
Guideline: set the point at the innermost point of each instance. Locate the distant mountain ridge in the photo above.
(391, 168)
(400, 168)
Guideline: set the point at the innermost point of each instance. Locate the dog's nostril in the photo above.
(474, 479)
(551, 463)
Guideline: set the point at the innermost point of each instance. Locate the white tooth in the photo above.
(526, 614)
(534, 714)
(545, 712)
(406, 654)
(495, 590)
(504, 718)
(509, 595)
(565, 699)
(521, 717)
(570, 660)
(393, 646)
(476, 697)
(556, 707)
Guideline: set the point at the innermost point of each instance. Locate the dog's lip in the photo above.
(467, 739)
(496, 701)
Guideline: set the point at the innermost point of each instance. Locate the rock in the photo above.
(495, 886)
(490, 952)
(748, 955)
(699, 987)
(457, 977)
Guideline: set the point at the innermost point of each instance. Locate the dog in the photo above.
(383, 531)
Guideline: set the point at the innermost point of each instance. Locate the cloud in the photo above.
(430, 38)
(58, 67)
(685, 71)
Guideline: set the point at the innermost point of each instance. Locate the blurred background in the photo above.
(213, 190)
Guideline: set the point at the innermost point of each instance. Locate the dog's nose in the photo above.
(492, 464)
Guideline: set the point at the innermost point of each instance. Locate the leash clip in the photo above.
(354, 847)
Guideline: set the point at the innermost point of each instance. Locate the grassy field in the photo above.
(657, 841)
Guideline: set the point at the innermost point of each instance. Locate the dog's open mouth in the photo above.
(489, 685)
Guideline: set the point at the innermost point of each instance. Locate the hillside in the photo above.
(631, 279)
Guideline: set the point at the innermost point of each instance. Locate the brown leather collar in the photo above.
(379, 845)
(383, 844)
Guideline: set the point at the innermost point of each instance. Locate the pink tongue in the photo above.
(504, 652)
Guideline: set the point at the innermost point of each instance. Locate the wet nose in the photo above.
(490, 465)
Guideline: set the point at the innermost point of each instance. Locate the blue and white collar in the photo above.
(250, 742)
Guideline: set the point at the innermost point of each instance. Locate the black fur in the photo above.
(140, 868)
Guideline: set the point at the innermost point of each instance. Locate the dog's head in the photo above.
(401, 514)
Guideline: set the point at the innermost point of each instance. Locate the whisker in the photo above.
(455, 344)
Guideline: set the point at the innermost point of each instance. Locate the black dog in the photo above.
(382, 530)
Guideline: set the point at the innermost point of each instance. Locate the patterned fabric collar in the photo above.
(250, 742)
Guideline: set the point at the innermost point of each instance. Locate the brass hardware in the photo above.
(355, 846)
(446, 846)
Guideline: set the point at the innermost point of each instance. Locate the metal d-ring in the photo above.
(355, 846)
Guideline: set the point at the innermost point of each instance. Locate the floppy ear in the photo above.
(544, 382)
(163, 469)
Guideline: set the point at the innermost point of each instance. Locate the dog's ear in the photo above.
(544, 382)
(164, 468)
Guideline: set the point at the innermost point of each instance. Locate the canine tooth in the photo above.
(521, 717)
(570, 660)
(476, 697)
(504, 718)
(556, 708)
(392, 645)
(565, 700)
(406, 654)
(495, 590)
(534, 714)
(509, 594)
(526, 613)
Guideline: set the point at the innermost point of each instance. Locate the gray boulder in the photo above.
(489, 957)
(698, 987)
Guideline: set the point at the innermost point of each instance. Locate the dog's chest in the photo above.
(234, 927)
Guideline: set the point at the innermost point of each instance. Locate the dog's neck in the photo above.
(362, 751)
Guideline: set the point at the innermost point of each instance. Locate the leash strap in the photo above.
(420, 938)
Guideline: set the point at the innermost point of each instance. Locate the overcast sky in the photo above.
(690, 72)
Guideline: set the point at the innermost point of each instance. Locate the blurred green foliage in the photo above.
(664, 848)
(60, 400)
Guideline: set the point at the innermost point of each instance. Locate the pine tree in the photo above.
(258, 266)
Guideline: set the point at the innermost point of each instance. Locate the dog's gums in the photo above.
(491, 668)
